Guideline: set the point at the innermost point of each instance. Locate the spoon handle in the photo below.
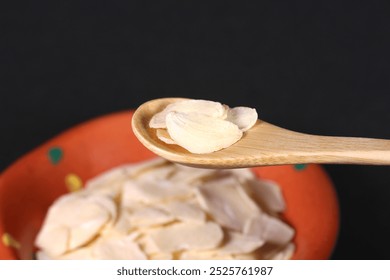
(348, 150)
(276, 145)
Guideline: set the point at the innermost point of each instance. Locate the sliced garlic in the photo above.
(234, 244)
(243, 117)
(227, 203)
(190, 175)
(201, 134)
(152, 192)
(117, 249)
(268, 194)
(76, 218)
(242, 174)
(106, 203)
(134, 170)
(122, 225)
(164, 136)
(209, 108)
(185, 211)
(159, 210)
(148, 246)
(87, 226)
(53, 240)
(160, 173)
(108, 183)
(202, 126)
(238, 243)
(150, 216)
(271, 229)
(188, 236)
(284, 253)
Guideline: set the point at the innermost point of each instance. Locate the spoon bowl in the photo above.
(263, 144)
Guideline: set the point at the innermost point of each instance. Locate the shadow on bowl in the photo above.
(30, 185)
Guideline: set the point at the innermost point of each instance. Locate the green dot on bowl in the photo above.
(9, 241)
(300, 167)
(55, 155)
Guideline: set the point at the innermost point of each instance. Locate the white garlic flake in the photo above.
(202, 126)
(158, 210)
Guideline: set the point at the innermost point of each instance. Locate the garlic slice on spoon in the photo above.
(243, 117)
(209, 108)
(200, 133)
(164, 136)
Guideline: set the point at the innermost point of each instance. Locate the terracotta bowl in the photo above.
(31, 184)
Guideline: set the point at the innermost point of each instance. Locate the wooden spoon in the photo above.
(263, 144)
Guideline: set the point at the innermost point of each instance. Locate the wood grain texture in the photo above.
(264, 144)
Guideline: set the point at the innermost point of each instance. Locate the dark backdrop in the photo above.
(319, 67)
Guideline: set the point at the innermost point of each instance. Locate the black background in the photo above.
(319, 67)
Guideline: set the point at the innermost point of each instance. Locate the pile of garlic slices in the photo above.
(202, 126)
(160, 210)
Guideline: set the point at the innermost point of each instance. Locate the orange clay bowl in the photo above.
(30, 185)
